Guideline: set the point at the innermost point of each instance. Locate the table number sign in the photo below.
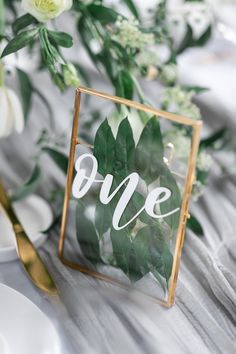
(129, 195)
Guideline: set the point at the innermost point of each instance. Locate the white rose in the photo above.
(11, 114)
(44, 10)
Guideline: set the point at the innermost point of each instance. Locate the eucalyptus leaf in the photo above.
(26, 91)
(149, 152)
(86, 234)
(124, 85)
(122, 246)
(58, 157)
(103, 218)
(30, 186)
(104, 148)
(22, 22)
(101, 13)
(20, 41)
(194, 225)
(196, 89)
(212, 139)
(152, 252)
(124, 150)
(61, 38)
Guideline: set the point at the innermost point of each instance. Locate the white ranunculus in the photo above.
(199, 17)
(180, 13)
(11, 114)
(44, 10)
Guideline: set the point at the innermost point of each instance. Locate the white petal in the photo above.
(67, 4)
(16, 110)
(6, 121)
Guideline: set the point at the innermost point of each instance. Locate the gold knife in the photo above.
(28, 255)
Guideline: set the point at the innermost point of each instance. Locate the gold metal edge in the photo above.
(184, 212)
(167, 115)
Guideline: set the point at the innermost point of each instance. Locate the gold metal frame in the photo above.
(196, 126)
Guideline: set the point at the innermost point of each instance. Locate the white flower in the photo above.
(178, 101)
(199, 17)
(196, 14)
(129, 35)
(147, 58)
(204, 161)
(181, 142)
(11, 114)
(169, 74)
(44, 10)
(177, 26)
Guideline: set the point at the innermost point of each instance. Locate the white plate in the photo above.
(35, 215)
(24, 329)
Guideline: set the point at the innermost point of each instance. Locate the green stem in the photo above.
(2, 18)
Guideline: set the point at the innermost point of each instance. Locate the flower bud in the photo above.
(70, 75)
(11, 113)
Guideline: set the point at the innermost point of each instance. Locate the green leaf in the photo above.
(124, 150)
(212, 139)
(86, 234)
(204, 38)
(58, 157)
(167, 180)
(2, 17)
(131, 6)
(121, 244)
(103, 218)
(50, 53)
(189, 41)
(152, 252)
(195, 89)
(149, 152)
(20, 41)
(61, 38)
(103, 14)
(194, 225)
(26, 91)
(22, 22)
(30, 186)
(104, 148)
(202, 176)
(124, 85)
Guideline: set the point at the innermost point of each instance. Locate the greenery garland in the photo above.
(125, 49)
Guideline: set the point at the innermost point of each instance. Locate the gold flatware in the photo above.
(28, 255)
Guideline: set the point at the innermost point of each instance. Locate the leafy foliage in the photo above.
(136, 250)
